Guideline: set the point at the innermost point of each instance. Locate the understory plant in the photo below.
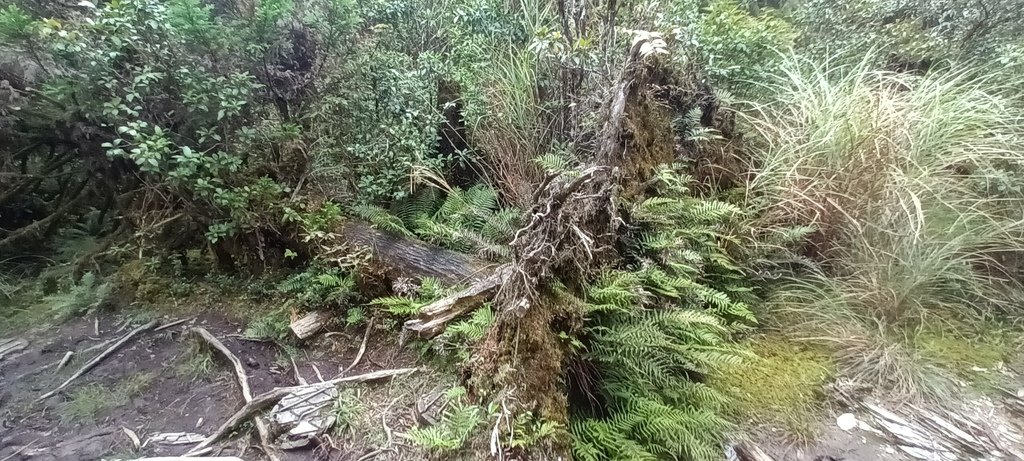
(654, 330)
(915, 189)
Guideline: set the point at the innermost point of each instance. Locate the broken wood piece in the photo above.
(309, 324)
(270, 398)
(64, 360)
(746, 451)
(192, 458)
(174, 438)
(434, 316)
(243, 382)
(11, 347)
(99, 358)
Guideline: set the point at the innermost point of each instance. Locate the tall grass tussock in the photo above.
(915, 188)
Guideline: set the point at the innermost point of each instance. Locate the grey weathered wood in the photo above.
(309, 324)
(413, 258)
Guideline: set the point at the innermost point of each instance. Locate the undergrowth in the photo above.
(913, 185)
(654, 331)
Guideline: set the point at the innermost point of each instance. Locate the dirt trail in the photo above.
(146, 387)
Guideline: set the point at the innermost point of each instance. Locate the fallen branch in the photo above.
(270, 398)
(99, 358)
(173, 324)
(434, 316)
(243, 381)
(362, 349)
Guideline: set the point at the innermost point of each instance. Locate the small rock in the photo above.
(252, 362)
(846, 421)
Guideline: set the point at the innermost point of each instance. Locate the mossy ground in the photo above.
(975, 352)
(782, 387)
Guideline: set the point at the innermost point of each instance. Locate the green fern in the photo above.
(457, 424)
(654, 329)
(459, 338)
(79, 298)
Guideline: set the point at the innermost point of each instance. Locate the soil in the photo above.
(168, 400)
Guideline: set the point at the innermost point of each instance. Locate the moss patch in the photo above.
(782, 387)
(973, 351)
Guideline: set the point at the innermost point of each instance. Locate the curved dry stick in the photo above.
(243, 381)
(269, 398)
(362, 349)
(99, 358)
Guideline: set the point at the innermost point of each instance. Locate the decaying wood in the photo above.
(11, 347)
(270, 398)
(309, 324)
(746, 451)
(972, 431)
(99, 358)
(434, 316)
(262, 428)
(413, 258)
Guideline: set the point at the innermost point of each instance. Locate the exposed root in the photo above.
(243, 381)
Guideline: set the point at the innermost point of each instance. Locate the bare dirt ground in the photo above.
(142, 388)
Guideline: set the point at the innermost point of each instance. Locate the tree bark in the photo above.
(404, 257)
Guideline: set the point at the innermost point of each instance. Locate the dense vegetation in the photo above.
(848, 176)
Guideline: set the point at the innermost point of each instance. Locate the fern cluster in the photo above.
(458, 421)
(319, 286)
(470, 221)
(655, 328)
(79, 298)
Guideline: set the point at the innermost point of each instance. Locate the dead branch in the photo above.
(99, 358)
(270, 398)
(243, 381)
(434, 316)
(173, 324)
(362, 348)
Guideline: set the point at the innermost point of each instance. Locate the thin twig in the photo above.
(243, 382)
(174, 324)
(99, 358)
(362, 348)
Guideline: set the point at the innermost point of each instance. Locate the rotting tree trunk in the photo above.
(404, 257)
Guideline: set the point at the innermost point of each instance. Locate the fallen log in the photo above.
(413, 258)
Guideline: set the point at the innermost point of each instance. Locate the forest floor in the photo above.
(162, 382)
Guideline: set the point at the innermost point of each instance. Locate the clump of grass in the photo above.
(87, 402)
(197, 361)
(347, 410)
(914, 185)
(782, 387)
